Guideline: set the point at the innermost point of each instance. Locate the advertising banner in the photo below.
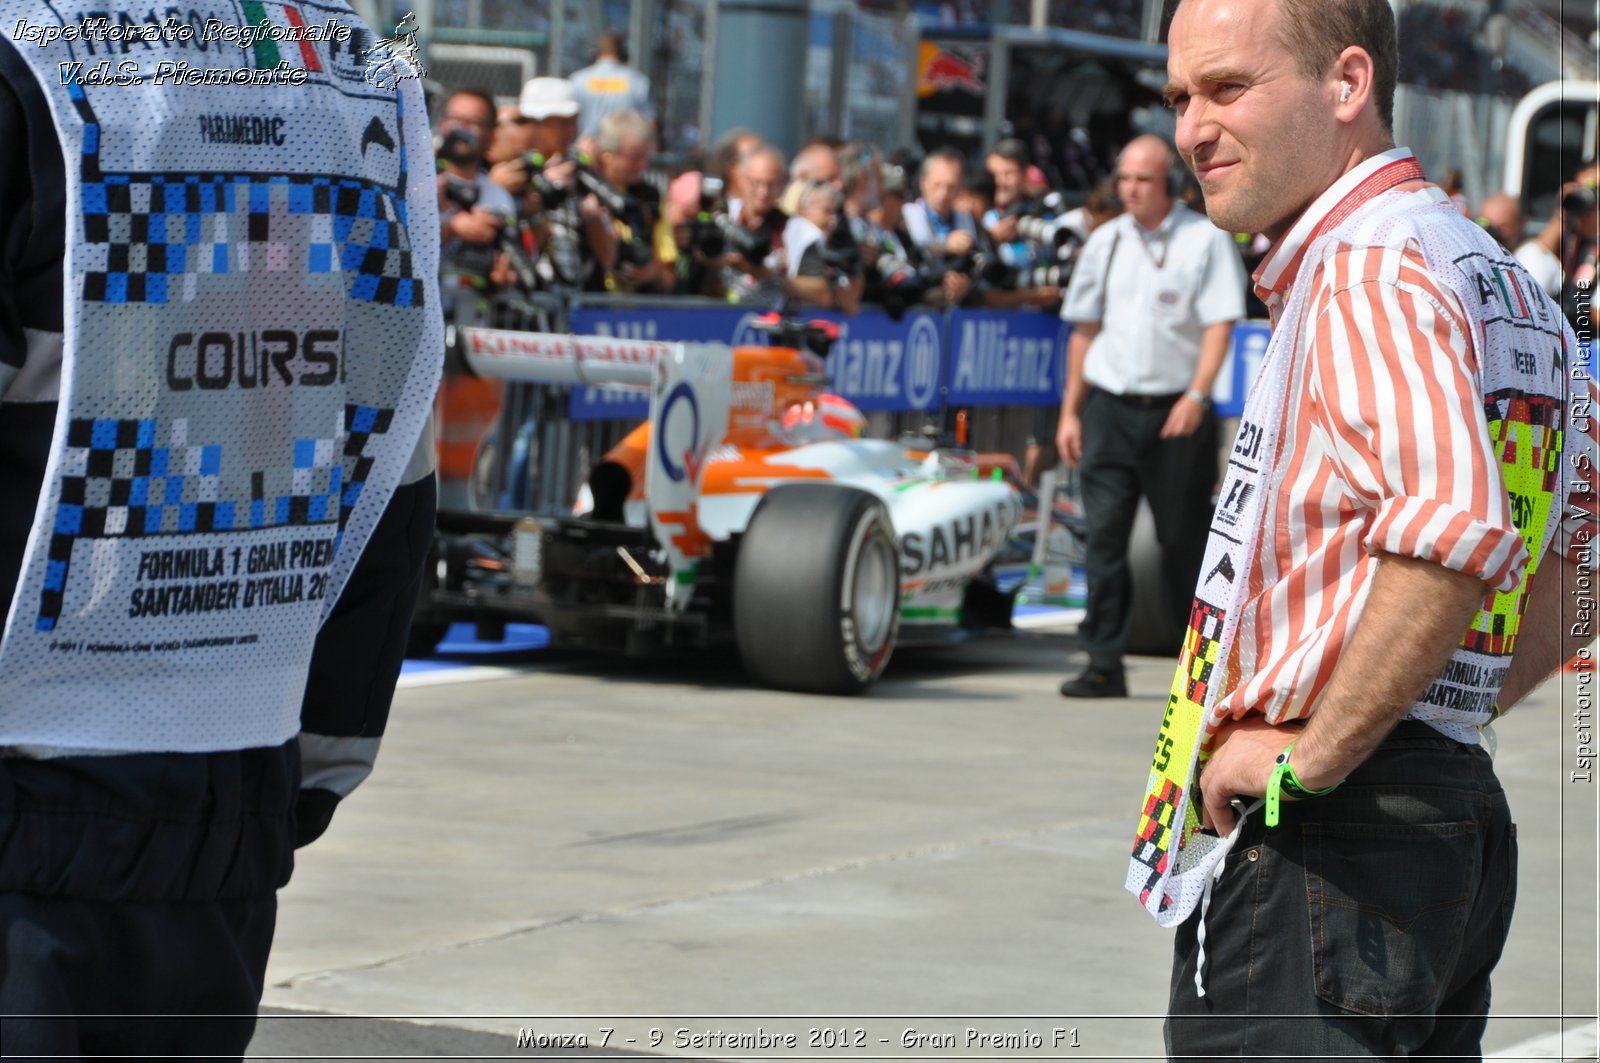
(883, 364)
(923, 362)
(878, 363)
(1249, 346)
(1006, 359)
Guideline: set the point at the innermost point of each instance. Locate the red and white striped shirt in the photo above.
(1414, 329)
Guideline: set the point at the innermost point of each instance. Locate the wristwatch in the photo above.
(1283, 781)
(1196, 395)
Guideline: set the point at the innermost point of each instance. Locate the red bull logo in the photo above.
(939, 70)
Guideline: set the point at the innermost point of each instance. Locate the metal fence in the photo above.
(1455, 129)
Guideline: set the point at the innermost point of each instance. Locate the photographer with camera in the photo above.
(473, 210)
(904, 276)
(819, 272)
(947, 238)
(1561, 259)
(625, 144)
(753, 271)
(1580, 213)
(1035, 249)
(1555, 256)
(820, 162)
(694, 255)
(861, 172)
(569, 228)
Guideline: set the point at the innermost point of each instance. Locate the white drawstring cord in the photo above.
(1224, 847)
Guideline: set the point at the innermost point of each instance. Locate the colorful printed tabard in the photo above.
(1519, 361)
(252, 338)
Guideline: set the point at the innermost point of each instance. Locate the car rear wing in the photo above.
(690, 386)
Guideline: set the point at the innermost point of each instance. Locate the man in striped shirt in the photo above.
(1406, 514)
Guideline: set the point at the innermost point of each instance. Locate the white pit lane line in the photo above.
(469, 673)
(1573, 1043)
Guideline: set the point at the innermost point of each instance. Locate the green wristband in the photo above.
(1284, 781)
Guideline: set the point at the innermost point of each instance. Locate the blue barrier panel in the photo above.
(1249, 346)
(984, 357)
(883, 364)
(878, 363)
(1000, 358)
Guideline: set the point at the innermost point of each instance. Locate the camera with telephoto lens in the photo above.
(976, 263)
(841, 254)
(635, 251)
(464, 194)
(1050, 232)
(617, 204)
(705, 236)
(753, 245)
(551, 194)
(904, 287)
(459, 147)
(460, 191)
(1054, 275)
(842, 258)
(1580, 200)
(715, 234)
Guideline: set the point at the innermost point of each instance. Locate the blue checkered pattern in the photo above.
(159, 231)
(117, 482)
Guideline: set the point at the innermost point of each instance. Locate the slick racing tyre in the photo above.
(816, 589)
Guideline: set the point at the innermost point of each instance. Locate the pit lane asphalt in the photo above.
(597, 837)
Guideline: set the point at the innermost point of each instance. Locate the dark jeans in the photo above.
(1365, 924)
(1124, 458)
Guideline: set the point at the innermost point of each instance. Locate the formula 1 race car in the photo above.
(746, 509)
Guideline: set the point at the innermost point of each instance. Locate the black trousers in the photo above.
(1124, 458)
(1365, 924)
(138, 895)
(163, 978)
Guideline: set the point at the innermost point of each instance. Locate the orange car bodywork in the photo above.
(766, 382)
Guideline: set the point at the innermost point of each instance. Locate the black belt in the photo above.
(1145, 402)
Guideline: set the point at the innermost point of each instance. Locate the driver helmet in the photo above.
(826, 417)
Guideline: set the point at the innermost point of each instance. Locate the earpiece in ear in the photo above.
(1344, 92)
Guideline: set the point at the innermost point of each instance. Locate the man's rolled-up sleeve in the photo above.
(1396, 388)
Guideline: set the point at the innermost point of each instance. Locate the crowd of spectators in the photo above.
(528, 201)
(531, 200)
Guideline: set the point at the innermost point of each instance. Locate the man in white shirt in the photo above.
(1153, 300)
